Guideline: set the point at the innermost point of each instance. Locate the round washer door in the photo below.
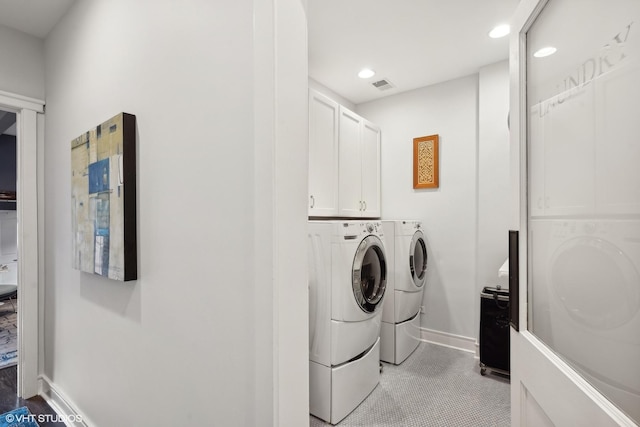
(369, 279)
(418, 259)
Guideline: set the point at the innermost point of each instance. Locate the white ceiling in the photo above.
(35, 17)
(411, 43)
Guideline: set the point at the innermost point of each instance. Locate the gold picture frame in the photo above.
(425, 162)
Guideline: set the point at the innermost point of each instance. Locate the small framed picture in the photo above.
(425, 162)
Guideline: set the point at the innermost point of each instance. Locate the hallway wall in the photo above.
(202, 334)
(22, 65)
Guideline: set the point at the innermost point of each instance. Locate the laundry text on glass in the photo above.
(611, 56)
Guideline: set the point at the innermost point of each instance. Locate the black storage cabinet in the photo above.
(494, 330)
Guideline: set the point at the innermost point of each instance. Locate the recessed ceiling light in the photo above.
(500, 31)
(545, 51)
(366, 73)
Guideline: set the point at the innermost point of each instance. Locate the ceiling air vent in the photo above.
(383, 84)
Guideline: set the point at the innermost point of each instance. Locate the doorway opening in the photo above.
(8, 242)
(29, 139)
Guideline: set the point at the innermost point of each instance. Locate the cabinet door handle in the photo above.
(360, 202)
(364, 202)
(313, 202)
(546, 202)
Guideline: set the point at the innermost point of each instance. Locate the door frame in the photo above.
(27, 177)
(545, 390)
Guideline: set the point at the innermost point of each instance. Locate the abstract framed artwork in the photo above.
(425, 162)
(103, 208)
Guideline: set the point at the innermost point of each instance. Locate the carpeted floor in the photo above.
(8, 335)
(436, 386)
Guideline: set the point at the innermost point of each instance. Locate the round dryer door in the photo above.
(418, 259)
(369, 274)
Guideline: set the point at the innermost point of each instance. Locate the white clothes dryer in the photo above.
(586, 301)
(407, 253)
(347, 282)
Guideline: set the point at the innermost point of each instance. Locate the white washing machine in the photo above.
(586, 301)
(347, 282)
(407, 254)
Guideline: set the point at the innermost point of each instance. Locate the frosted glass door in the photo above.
(583, 145)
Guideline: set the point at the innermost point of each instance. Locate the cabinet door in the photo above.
(350, 164)
(323, 155)
(370, 169)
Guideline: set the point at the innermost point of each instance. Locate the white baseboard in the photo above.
(61, 404)
(447, 339)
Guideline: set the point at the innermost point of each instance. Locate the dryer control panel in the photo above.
(409, 227)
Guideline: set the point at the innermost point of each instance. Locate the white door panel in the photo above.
(548, 391)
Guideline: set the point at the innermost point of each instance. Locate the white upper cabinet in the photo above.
(359, 171)
(370, 150)
(350, 172)
(344, 161)
(323, 156)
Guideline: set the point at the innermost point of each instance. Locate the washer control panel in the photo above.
(351, 230)
(372, 227)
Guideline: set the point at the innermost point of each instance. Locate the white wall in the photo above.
(466, 218)
(494, 188)
(199, 336)
(449, 212)
(22, 64)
